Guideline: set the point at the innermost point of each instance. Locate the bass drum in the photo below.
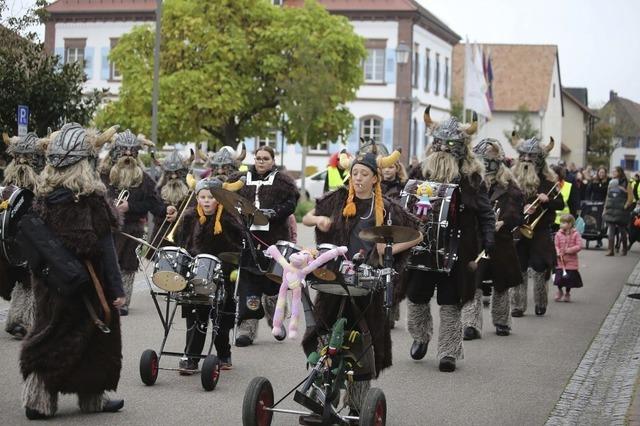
(436, 205)
(13, 209)
(275, 270)
(171, 268)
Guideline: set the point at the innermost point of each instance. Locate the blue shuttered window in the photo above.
(387, 133)
(390, 66)
(353, 141)
(104, 63)
(89, 54)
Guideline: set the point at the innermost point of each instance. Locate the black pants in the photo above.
(198, 318)
(422, 284)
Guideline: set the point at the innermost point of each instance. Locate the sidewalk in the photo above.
(604, 388)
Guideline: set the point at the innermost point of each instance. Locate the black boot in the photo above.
(541, 310)
(447, 364)
(517, 313)
(418, 350)
(503, 330)
(243, 340)
(35, 414)
(113, 406)
(470, 333)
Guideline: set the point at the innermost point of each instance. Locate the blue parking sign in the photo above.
(23, 119)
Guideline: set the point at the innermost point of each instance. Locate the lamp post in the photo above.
(156, 75)
(402, 53)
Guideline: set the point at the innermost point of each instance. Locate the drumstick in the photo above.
(473, 265)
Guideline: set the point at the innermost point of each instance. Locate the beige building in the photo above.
(577, 124)
(526, 75)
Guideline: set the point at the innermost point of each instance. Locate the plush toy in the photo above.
(424, 193)
(294, 273)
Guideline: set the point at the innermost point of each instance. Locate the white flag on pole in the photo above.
(475, 86)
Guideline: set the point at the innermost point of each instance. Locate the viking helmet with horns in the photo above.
(450, 135)
(28, 146)
(228, 157)
(491, 153)
(127, 141)
(213, 184)
(532, 150)
(73, 143)
(175, 162)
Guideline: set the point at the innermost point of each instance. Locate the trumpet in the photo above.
(527, 230)
(170, 237)
(122, 197)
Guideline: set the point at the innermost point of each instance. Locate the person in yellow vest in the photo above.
(569, 195)
(633, 192)
(337, 171)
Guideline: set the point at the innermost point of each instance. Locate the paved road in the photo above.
(512, 380)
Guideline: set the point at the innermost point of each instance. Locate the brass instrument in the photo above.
(122, 197)
(170, 237)
(527, 230)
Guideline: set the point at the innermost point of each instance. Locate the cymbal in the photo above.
(234, 202)
(139, 240)
(231, 257)
(392, 233)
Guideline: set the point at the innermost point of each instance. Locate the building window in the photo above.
(74, 51)
(416, 64)
(446, 77)
(629, 162)
(269, 140)
(371, 128)
(437, 91)
(321, 148)
(427, 69)
(373, 65)
(114, 73)
(277, 2)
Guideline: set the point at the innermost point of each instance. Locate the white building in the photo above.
(388, 107)
(623, 115)
(523, 75)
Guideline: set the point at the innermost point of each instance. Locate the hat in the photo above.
(215, 183)
(491, 163)
(532, 147)
(450, 133)
(73, 143)
(175, 162)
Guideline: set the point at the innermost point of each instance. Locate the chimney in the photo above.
(612, 95)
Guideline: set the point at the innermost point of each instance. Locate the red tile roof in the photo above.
(97, 6)
(522, 74)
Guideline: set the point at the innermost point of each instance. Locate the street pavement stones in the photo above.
(502, 381)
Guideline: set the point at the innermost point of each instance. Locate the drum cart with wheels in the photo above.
(150, 359)
(594, 228)
(333, 365)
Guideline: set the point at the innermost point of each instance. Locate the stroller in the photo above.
(634, 226)
(591, 213)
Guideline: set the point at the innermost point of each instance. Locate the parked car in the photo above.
(314, 184)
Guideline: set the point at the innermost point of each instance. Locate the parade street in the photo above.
(515, 380)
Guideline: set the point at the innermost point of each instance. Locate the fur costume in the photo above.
(501, 308)
(64, 349)
(450, 333)
(295, 270)
(472, 313)
(419, 321)
(327, 305)
(392, 188)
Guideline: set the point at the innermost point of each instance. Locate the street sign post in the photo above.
(23, 119)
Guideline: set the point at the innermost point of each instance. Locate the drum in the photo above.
(352, 281)
(17, 205)
(438, 214)
(275, 270)
(204, 274)
(171, 268)
(331, 269)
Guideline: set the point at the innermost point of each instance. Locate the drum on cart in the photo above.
(171, 268)
(437, 206)
(204, 275)
(275, 270)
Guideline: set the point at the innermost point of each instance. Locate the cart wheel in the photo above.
(149, 367)
(259, 394)
(210, 373)
(374, 409)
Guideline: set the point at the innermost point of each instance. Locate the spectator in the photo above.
(569, 194)
(615, 215)
(597, 188)
(581, 183)
(572, 170)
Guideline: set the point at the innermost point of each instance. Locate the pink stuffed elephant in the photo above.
(293, 277)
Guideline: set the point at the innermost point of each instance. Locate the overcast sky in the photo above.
(598, 41)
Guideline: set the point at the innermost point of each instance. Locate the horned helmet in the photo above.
(126, 143)
(531, 150)
(491, 153)
(450, 135)
(73, 143)
(227, 160)
(27, 149)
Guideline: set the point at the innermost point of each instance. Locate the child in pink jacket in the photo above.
(568, 243)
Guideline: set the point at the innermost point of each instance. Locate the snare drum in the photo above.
(440, 228)
(205, 273)
(354, 281)
(330, 270)
(275, 270)
(171, 268)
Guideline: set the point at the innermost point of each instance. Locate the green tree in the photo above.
(219, 65)
(223, 68)
(601, 145)
(522, 125)
(29, 76)
(324, 73)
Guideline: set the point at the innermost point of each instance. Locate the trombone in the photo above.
(527, 230)
(122, 197)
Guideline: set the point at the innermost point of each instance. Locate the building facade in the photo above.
(398, 82)
(577, 125)
(524, 76)
(623, 115)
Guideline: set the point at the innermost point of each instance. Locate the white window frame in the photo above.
(74, 54)
(114, 73)
(369, 129)
(271, 139)
(375, 60)
(321, 148)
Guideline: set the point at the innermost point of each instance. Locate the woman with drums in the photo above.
(339, 217)
(209, 229)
